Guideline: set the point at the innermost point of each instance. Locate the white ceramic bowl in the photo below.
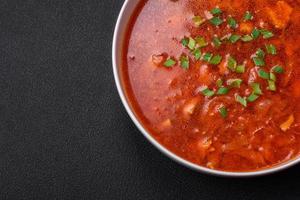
(127, 10)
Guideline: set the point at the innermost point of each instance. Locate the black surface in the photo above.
(63, 131)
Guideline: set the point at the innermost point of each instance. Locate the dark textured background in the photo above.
(63, 131)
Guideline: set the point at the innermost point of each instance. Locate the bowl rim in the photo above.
(116, 37)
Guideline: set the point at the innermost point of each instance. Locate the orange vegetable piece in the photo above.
(280, 14)
(287, 124)
(223, 67)
(246, 27)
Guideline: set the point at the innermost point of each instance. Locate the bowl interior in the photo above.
(118, 41)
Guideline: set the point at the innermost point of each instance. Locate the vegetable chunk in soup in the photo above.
(217, 82)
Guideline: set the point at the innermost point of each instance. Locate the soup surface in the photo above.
(217, 82)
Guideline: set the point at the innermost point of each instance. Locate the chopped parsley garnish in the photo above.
(185, 42)
(184, 62)
(246, 38)
(215, 60)
(271, 49)
(232, 22)
(241, 100)
(216, 21)
(260, 53)
(223, 112)
(255, 33)
(258, 61)
(248, 16)
(219, 83)
(263, 74)
(273, 77)
(272, 85)
(216, 11)
(198, 21)
(207, 57)
(266, 34)
(217, 42)
(234, 83)
(223, 91)
(240, 69)
(169, 62)
(197, 54)
(234, 38)
(253, 97)
(256, 88)
(192, 43)
(277, 69)
(231, 63)
(207, 92)
(200, 41)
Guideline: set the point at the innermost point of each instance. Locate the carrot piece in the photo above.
(287, 124)
(280, 14)
(246, 27)
(223, 67)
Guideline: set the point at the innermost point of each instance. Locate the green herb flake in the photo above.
(169, 62)
(216, 21)
(231, 63)
(256, 88)
(253, 97)
(258, 61)
(246, 38)
(234, 83)
(219, 83)
(207, 57)
(223, 91)
(184, 62)
(241, 100)
(217, 42)
(198, 21)
(260, 53)
(273, 76)
(197, 54)
(266, 34)
(232, 22)
(201, 42)
(240, 69)
(263, 74)
(272, 85)
(271, 49)
(223, 112)
(216, 11)
(248, 16)
(215, 60)
(255, 33)
(207, 92)
(234, 38)
(185, 42)
(277, 69)
(192, 43)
